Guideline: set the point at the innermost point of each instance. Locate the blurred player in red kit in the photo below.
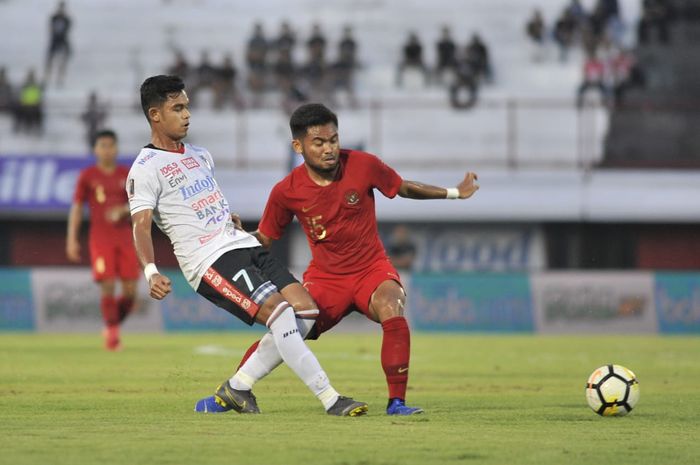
(332, 196)
(112, 253)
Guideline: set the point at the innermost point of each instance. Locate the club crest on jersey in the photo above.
(352, 197)
(190, 163)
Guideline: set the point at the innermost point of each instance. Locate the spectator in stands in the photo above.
(206, 76)
(412, 59)
(626, 73)
(286, 39)
(535, 30)
(564, 33)
(7, 96)
(256, 57)
(316, 44)
(464, 90)
(655, 14)
(477, 55)
(225, 89)
(401, 250)
(446, 51)
(606, 20)
(344, 68)
(315, 70)
(59, 44)
(284, 69)
(577, 12)
(347, 48)
(94, 118)
(594, 76)
(29, 111)
(180, 68)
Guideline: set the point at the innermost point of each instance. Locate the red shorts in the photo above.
(337, 295)
(114, 259)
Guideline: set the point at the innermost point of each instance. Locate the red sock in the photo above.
(396, 352)
(125, 305)
(110, 311)
(248, 353)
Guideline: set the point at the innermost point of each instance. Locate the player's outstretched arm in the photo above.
(420, 191)
(74, 219)
(159, 284)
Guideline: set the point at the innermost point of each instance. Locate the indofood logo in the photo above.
(200, 185)
(591, 304)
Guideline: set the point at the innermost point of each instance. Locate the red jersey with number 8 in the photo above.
(339, 219)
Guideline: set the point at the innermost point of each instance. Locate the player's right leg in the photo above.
(256, 298)
(102, 257)
(334, 298)
(380, 296)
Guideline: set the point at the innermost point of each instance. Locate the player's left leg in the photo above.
(386, 306)
(125, 302)
(129, 270)
(110, 315)
(262, 357)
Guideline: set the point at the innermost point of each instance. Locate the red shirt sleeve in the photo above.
(82, 188)
(383, 177)
(276, 216)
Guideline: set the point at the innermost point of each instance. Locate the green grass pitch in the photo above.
(489, 400)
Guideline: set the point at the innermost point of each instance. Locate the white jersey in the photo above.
(188, 206)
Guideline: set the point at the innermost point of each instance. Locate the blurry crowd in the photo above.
(296, 66)
(271, 67)
(610, 65)
(461, 69)
(24, 101)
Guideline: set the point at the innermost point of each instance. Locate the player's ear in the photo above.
(154, 114)
(296, 145)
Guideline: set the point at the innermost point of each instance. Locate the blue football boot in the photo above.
(398, 406)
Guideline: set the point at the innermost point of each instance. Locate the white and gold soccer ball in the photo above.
(612, 390)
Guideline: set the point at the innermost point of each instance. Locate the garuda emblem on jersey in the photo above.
(352, 197)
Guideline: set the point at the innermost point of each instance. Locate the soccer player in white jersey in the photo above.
(172, 183)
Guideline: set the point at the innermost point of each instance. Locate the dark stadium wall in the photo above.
(669, 248)
(43, 243)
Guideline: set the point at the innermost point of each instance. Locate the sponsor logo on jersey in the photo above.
(190, 163)
(352, 197)
(146, 157)
(207, 184)
(170, 170)
(306, 209)
(132, 189)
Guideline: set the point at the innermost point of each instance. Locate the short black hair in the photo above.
(104, 133)
(156, 89)
(308, 116)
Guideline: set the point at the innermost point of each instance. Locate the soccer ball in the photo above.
(612, 390)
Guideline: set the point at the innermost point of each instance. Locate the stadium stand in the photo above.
(523, 110)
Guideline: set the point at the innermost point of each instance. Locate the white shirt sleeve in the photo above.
(142, 188)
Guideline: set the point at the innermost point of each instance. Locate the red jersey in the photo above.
(102, 192)
(339, 219)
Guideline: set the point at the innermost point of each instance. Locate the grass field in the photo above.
(489, 400)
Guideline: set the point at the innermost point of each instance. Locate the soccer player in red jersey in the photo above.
(332, 196)
(112, 252)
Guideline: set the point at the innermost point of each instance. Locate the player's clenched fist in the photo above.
(468, 186)
(160, 286)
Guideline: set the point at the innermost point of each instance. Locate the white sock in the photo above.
(266, 357)
(297, 355)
